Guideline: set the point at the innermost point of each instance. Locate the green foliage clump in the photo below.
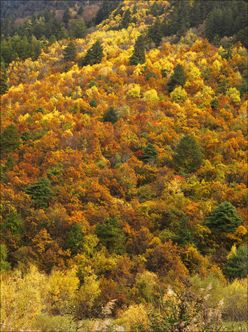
(111, 235)
(155, 33)
(3, 78)
(9, 139)
(93, 103)
(64, 323)
(188, 155)
(138, 55)
(93, 56)
(13, 223)
(125, 20)
(178, 78)
(70, 52)
(74, 239)
(40, 192)
(77, 28)
(110, 115)
(149, 153)
(224, 218)
(236, 265)
(4, 264)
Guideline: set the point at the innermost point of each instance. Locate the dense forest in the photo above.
(123, 166)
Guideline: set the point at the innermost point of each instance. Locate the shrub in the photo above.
(48, 323)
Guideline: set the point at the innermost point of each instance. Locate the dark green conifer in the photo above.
(93, 56)
(70, 52)
(138, 55)
(188, 155)
(223, 219)
(177, 78)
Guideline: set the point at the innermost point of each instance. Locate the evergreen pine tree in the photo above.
(224, 219)
(138, 55)
(70, 52)
(236, 265)
(74, 239)
(111, 235)
(66, 16)
(40, 192)
(110, 115)
(126, 19)
(149, 153)
(178, 78)
(188, 156)
(155, 33)
(3, 81)
(93, 56)
(9, 139)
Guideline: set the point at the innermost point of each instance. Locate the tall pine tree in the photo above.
(93, 56)
(138, 55)
(70, 52)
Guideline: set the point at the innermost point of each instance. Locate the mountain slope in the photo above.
(118, 174)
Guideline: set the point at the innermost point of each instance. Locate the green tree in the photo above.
(74, 239)
(110, 115)
(4, 264)
(111, 235)
(155, 33)
(77, 28)
(188, 155)
(3, 81)
(149, 153)
(177, 78)
(126, 19)
(236, 265)
(40, 192)
(70, 52)
(66, 16)
(9, 139)
(138, 55)
(93, 56)
(13, 223)
(223, 219)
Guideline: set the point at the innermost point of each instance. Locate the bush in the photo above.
(134, 319)
(46, 323)
(235, 301)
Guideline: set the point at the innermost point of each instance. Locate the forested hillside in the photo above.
(124, 171)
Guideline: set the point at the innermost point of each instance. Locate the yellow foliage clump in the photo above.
(234, 95)
(134, 317)
(178, 94)
(133, 90)
(151, 95)
(90, 92)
